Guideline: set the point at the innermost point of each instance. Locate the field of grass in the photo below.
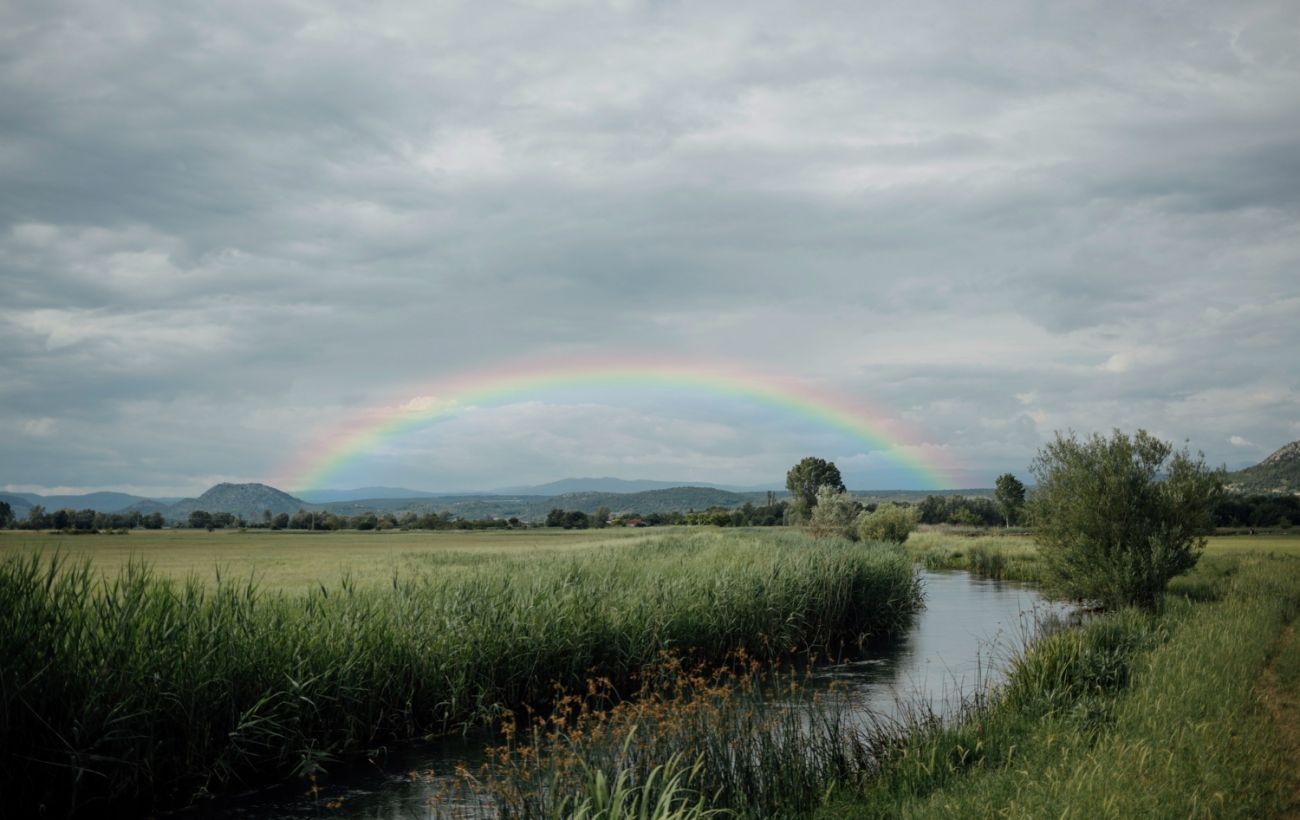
(1015, 558)
(129, 691)
(296, 560)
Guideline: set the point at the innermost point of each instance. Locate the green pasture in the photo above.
(1015, 556)
(295, 560)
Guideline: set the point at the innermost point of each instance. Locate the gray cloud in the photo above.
(224, 229)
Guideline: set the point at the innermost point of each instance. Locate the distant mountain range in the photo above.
(527, 503)
(102, 502)
(361, 493)
(614, 485)
(1279, 473)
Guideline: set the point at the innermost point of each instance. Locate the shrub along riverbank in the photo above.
(140, 692)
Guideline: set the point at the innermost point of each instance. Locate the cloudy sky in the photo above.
(225, 229)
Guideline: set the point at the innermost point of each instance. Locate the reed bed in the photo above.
(136, 692)
(1005, 557)
(742, 739)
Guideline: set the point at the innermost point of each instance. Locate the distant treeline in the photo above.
(78, 520)
(747, 515)
(1257, 511)
(312, 520)
(1254, 511)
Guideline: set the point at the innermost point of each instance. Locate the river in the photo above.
(959, 642)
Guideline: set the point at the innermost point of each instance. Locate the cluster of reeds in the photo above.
(1008, 558)
(741, 738)
(137, 692)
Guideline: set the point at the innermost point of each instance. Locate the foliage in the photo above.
(835, 514)
(1117, 518)
(1010, 497)
(807, 477)
(888, 522)
(568, 519)
(125, 694)
(959, 509)
(1257, 511)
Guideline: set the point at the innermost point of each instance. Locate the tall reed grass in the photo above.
(139, 692)
(761, 745)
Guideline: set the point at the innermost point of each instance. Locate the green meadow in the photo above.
(298, 560)
(145, 670)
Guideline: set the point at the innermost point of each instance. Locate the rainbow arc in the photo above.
(368, 430)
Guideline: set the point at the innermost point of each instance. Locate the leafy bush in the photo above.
(835, 514)
(890, 522)
(1116, 517)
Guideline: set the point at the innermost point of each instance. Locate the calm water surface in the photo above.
(960, 641)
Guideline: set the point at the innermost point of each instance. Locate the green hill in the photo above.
(1279, 473)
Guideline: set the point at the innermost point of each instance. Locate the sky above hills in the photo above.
(226, 231)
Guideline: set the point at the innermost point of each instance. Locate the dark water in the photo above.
(958, 643)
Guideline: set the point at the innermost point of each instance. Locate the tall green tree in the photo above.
(36, 518)
(1115, 518)
(1010, 495)
(805, 478)
(6, 514)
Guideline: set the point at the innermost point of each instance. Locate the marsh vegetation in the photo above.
(134, 690)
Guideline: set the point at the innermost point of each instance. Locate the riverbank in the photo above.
(128, 694)
(1190, 713)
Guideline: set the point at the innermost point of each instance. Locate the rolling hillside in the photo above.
(248, 500)
(1279, 473)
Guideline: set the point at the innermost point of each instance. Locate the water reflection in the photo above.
(960, 641)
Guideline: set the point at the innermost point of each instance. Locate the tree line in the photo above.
(75, 521)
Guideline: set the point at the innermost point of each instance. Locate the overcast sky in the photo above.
(227, 227)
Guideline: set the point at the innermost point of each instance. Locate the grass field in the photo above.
(1015, 557)
(298, 560)
(294, 560)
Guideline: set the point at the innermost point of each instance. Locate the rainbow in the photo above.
(334, 449)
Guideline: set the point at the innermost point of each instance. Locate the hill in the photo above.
(248, 500)
(100, 502)
(1279, 473)
(566, 486)
(361, 494)
(535, 507)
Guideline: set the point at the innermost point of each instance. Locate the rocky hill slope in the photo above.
(248, 500)
(1279, 473)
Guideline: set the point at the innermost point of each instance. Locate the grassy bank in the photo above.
(1132, 716)
(1195, 712)
(138, 691)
